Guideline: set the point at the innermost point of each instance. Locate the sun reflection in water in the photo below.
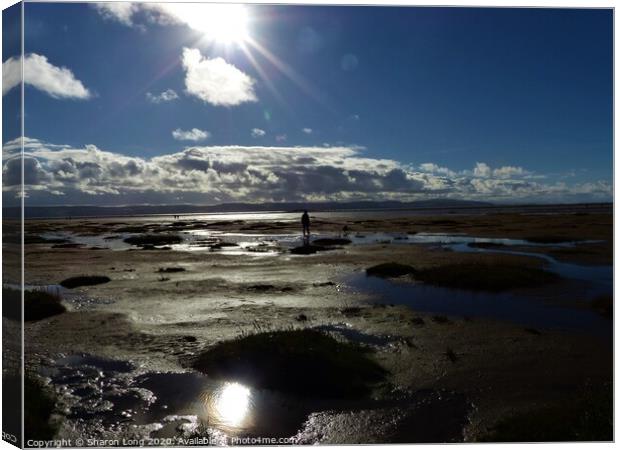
(231, 404)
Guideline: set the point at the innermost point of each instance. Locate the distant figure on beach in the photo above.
(305, 225)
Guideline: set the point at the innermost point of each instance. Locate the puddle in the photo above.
(256, 244)
(523, 310)
(107, 397)
(600, 278)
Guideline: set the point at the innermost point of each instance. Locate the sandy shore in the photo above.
(159, 321)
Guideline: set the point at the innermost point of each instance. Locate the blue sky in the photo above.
(506, 105)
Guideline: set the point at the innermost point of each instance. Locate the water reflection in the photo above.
(229, 405)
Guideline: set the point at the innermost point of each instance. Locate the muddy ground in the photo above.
(486, 370)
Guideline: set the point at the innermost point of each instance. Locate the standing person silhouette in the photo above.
(305, 225)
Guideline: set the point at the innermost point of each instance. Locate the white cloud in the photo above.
(257, 132)
(509, 172)
(194, 135)
(482, 170)
(62, 174)
(120, 11)
(307, 130)
(166, 96)
(211, 19)
(281, 138)
(434, 168)
(57, 82)
(215, 81)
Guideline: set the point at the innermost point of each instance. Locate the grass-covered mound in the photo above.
(589, 417)
(301, 362)
(477, 277)
(84, 280)
(38, 407)
(388, 270)
(486, 277)
(37, 304)
(153, 239)
(170, 269)
(331, 241)
(487, 245)
(308, 249)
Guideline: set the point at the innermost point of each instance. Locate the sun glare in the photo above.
(232, 404)
(224, 23)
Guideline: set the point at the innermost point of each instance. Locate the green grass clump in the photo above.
(38, 407)
(153, 239)
(84, 280)
(38, 304)
(171, 269)
(391, 269)
(331, 241)
(302, 362)
(486, 277)
(589, 417)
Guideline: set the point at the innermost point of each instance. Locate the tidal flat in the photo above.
(473, 322)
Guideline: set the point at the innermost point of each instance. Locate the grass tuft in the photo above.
(170, 269)
(38, 304)
(391, 269)
(153, 239)
(302, 362)
(486, 277)
(84, 280)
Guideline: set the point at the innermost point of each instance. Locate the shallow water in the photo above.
(262, 244)
(600, 278)
(524, 310)
(103, 396)
(106, 394)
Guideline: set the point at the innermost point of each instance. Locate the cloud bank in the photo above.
(57, 82)
(62, 174)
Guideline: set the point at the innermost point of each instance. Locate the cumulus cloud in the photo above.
(194, 135)
(120, 11)
(257, 132)
(57, 82)
(62, 174)
(482, 170)
(215, 81)
(509, 172)
(434, 168)
(202, 17)
(166, 96)
(307, 130)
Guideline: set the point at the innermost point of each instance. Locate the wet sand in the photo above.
(467, 371)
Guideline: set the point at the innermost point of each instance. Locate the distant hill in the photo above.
(138, 210)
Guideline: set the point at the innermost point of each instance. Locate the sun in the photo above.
(221, 22)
